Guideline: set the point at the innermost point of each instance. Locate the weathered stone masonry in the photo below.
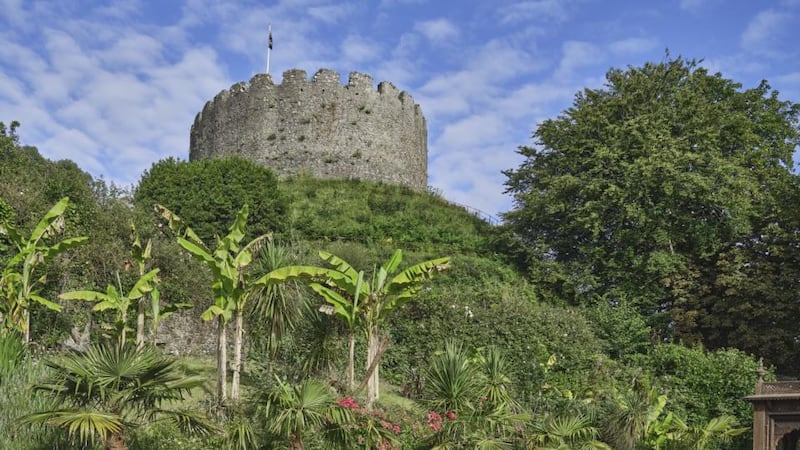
(318, 127)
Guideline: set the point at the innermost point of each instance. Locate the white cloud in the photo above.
(632, 46)
(437, 31)
(474, 131)
(358, 49)
(576, 55)
(133, 51)
(11, 89)
(764, 32)
(331, 13)
(535, 10)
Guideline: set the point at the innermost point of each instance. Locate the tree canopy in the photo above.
(207, 194)
(634, 193)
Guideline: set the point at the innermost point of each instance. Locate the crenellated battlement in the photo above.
(317, 126)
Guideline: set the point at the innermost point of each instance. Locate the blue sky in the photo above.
(115, 86)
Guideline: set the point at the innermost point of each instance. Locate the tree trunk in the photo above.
(116, 441)
(351, 362)
(222, 361)
(296, 441)
(140, 324)
(122, 335)
(372, 353)
(237, 355)
(26, 333)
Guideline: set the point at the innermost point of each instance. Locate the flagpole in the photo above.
(269, 47)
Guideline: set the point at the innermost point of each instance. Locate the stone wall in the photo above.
(319, 128)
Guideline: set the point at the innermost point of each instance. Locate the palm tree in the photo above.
(274, 310)
(633, 414)
(565, 433)
(452, 379)
(719, 430)
(110, 389)
(472, 391)
(293, 411)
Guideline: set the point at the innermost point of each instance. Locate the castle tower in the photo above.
(318, 127)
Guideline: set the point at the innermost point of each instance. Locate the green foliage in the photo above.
(116, 299)
(31, 192)
(361, 302)
(567, 433)
(276, 309)
(293, 412)
(751, 287)
(482, 302)
(12, 351)
(110, 388)
(208, 193)
(451, 379)
(19, 285)
(371, 213)
(701, 384)
(623, 330)
(16, 398)
(231, 285)
(630, 193)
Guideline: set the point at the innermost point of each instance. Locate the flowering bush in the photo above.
(391, 428)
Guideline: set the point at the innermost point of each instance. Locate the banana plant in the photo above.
(141, 254)
(115, 299)
(231, 287)
(362, 303)
(19, 286)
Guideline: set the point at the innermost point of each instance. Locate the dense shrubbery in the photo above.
(219, 188)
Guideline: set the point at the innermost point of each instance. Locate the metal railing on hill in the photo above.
(483, 215)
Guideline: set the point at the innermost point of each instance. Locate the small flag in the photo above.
(270, 38)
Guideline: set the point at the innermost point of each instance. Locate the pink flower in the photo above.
(451, 415)
(435, 421)
(433, 416)
(348, 402)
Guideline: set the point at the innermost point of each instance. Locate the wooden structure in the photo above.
(776, 414)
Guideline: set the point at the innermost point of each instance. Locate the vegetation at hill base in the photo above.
(650, 259)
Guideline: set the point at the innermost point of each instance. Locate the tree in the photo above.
(565, 433)
(752, 287)
(360, 303)
(275, 310)
(292, 412)
(219, 188)
(470, 388)
(110, 389)
(141, 254)
(231, 287)
(18, 283)
(634, 189)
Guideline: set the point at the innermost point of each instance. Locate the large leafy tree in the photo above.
(630, 194)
